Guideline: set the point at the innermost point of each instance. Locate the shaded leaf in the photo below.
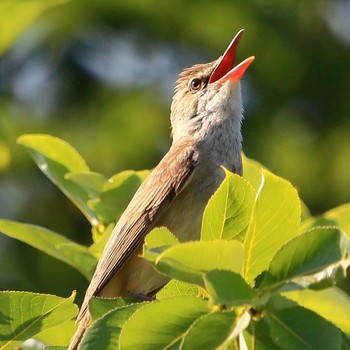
(332, 304)
(100, 306)
(92, 183)
(275, 221)
(298, 328)
(104, 333)
(229, 210)
(26, 314)
(116, 194)
(309, 259)
(160, 324)
(211, 331)
(53, 244)
(228, 288)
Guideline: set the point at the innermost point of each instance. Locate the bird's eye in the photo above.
(195, 84)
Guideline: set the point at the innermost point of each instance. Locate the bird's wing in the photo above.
(150, 201)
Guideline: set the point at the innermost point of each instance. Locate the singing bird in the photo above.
(206, 117)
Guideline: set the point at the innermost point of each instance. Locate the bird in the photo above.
(206, 115)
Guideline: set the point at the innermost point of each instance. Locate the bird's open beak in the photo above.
(225, 68)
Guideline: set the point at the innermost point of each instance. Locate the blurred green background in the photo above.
(100, 75)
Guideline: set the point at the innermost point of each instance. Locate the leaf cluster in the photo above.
(263, 275)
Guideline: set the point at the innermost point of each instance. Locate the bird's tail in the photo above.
(83, 323)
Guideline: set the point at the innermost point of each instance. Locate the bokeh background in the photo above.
(100, 74)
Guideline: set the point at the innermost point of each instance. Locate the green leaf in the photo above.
(116, 194)
(100, 306)
(52, 244)
(252, 172)
(332, 304)
(56, 159)
(59, 335)
(158, 240)
(228, 288)
(26, 314)
(257, 336)
(92, 183)
(104, 333)
(275, 221)
(188, 261)
(160, 324)
(100, 239)
(229, 210)
(341, 215)
(211, 331)
(177, 288)
(309, 259)
(297, 328)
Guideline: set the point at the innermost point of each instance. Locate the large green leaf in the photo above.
(296, 328)
(188, 261)
(228, 211)
(275, 221)
(56, 159)
(25, 314)
(160, 324)
(332, 304)
(51, 243)
(104, 333)
(228, 288)
(314, 258)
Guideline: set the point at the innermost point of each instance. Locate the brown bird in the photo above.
(206, 117)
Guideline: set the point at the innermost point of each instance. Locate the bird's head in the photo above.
(207, 94)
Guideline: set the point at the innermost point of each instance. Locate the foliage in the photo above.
(261, 278)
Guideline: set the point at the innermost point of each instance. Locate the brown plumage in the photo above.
(206, 115)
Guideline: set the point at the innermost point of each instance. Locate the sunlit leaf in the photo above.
(26, 314)
(59, 335)
(188, 261)
(177, 288)
(53, 244)
(275, 221)
(158, 240)
(160, 324)
(309, 259)
(341, 215)
(332, 304)
(56, 159)
(229, 210)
